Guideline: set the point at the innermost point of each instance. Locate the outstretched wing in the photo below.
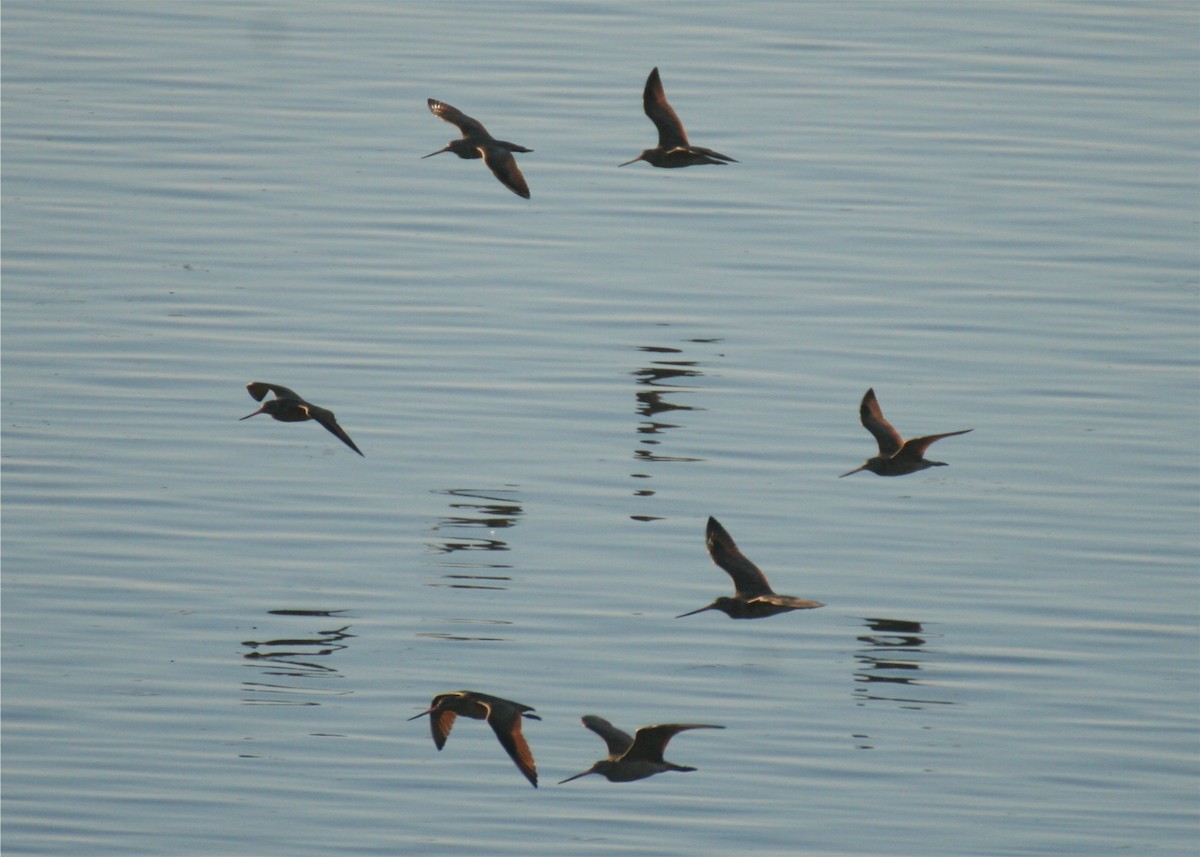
(440, 724)
(649, 742)
(871, 414)
(504, 167)
(914, 448)
(505, 721)
(326, 418)
(468, 126)
(654, 100)
(748, 579)
(618, 742)
(259, 389)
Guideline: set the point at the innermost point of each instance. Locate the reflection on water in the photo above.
(656, 382)
(474, 509)
(288, 665)
(470, 638)
(890, 662)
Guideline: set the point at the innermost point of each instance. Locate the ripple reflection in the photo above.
(475, 509)
(890, 662)
(660, 384)
(290, 665)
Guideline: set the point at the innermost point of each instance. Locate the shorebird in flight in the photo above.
(753, 597)
(503, 715)
(897, 456)
(476, 142)
(638, 757)
(288, 407)
(673, 149)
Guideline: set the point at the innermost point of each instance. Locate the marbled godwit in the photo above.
(673, 149)
(288, 407)
(503, 715)
(753, 597)
(476, 142)
(638, 757)
(897, 456)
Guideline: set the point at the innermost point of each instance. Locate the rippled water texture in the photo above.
(214, 631)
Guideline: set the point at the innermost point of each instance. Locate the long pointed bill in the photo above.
(422, 714)
(577, 776)
(255, 414)
(634, 161)
(438, 152)
(855, 470)
(694, 612)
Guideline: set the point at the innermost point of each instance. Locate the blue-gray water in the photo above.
(214, 630)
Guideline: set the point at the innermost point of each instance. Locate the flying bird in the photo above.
(476, 142)
(503, 715)
(288, 407)
(753, 597)
(638, 757)
(673, 149)
(897, 456)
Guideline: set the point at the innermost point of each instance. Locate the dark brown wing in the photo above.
(616, 740)
(748, 579)
(871, 414)
(649, 742)
(788, 602)
(504, 167)
(259, 389)
(326, 418)
(914, 449)
(468, 126)
(505, 721)
(440, 724)
(654, 100)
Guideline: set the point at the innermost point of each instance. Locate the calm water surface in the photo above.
(214, 630)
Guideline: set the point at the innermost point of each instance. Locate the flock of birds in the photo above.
(673, 149)
(640, 755)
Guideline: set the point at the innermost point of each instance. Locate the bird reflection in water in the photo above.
(290, 666)
(892, 656)
(465, 637)
(474, 509)
(661, 379)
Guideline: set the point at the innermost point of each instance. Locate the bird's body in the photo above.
(897, 456)
(753, 597)
(288, 407)
(503, 715)
(673, 149)
(476, 142)
(636, 757)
